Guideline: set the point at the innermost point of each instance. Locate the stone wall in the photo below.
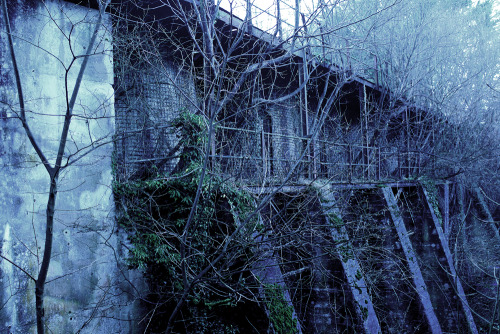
(84, 286)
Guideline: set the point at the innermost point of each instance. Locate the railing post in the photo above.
(368, 162)
(263, 153)
(399, 163)
(349, 161)
(314, 160)
(379, 164)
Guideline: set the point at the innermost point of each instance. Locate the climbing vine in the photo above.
(154, 212)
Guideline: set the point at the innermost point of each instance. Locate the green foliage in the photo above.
(280, 312)
(364, 312)
(155, 211)
(335, 220)
(205, 324)
(192, 131)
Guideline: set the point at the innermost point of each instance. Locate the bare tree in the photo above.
(257, 101)
(67, 151)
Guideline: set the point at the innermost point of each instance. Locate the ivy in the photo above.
(154, 212)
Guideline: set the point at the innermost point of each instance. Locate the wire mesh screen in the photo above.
(238, 153)
(145, 107)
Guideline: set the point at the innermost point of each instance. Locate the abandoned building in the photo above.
(227, 179)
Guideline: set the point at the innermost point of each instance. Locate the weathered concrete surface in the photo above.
(352, 268)
(83, 286)
(452, 271)
(411, 258)
(268, 271)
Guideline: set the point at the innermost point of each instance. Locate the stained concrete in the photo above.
(84, 285)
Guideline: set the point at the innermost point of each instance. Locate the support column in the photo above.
(352, 269)
(363, 121)
(268, 271)
(411, 258)
(486, 211)
(451, 267)
(303, 104)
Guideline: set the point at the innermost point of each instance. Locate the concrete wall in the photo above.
(84, 286)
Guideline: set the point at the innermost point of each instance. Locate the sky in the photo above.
(264, 11)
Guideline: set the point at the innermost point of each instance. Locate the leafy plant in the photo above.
(154, 211)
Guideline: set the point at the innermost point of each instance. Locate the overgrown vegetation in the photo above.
(240, 83)
(280, 312)
(154, 212)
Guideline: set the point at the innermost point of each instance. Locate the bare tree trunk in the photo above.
(53, 171)
(47, 252)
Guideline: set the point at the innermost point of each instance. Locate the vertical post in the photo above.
(305, 121)
(379, 164)
(408, 159)
(348, 60)
(432, 149)
(361, 96)
(248, 18)
(362, 127)
(366, 139)
(278, 20)
(349, 161)
(305, 74)
(263, 152)
(270, 154)
(268, 144)
(461, 207)
(297, 15)
(446, 222)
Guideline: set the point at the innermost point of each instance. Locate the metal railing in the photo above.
(355, 59)
(256, 156)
